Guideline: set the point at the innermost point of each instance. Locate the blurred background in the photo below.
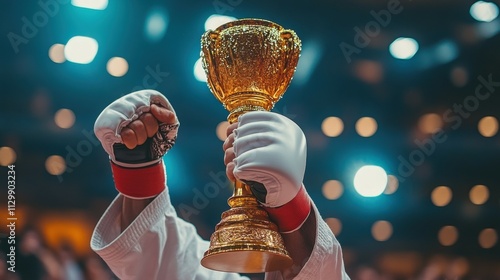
(398, 100)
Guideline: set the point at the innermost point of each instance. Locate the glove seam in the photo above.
(135, 165)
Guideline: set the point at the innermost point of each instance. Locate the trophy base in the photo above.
(246, 240)
(245, 259)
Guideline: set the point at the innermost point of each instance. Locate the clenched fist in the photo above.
(146, 126)
(136, 131)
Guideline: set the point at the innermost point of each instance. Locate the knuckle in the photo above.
(229, 155)
(230, 128)
(127, 133)
(229, 171)
(136, 125)
(147, 118)
(227, 144)
(141, 138)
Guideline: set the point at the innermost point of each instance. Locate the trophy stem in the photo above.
(242, 196)
(242, 102)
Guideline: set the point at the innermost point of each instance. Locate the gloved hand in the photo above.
(136, 130)
(268, 152)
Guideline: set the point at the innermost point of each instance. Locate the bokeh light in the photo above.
(199, 72)
(90, 4)
(332, 189)
(484, 11)
(310, 56)
(458, 268)
(332, 126)
(441, 196)
(430, 123)
(488, 126)
(221, 130)
(117, 66)
(335, 225)
(56, 53)
(366, 126)
(403, 48)
(370, 180)
(448, 235)
(392, 184)
(81, 49)
(55, 165)
(369, 71)
(40, 104)
(445, 51)
(63, 227)
(64, 118)
(404, 264)
(488, 238)
(215, 21)
(479, 194)
(459, 76)
(156, 24)
(382, 230)
(7, 156)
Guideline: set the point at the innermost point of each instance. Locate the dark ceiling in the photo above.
(395, 92)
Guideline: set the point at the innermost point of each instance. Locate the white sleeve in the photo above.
(326, 261)
(157, 245)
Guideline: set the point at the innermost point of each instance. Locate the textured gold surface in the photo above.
(249, 64)
(245, 240)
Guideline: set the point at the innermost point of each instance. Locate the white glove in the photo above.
(270, 155)
(123, 111)
(136, 171)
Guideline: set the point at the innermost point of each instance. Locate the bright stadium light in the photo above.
(215, 21)
(370, 180)
(403, 48)
(90, 4)
(484, 11)
(81, 49)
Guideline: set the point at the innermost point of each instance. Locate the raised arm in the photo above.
(268, 152)
(136, 134)
(140, 236)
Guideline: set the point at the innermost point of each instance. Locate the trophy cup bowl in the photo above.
(249, 64)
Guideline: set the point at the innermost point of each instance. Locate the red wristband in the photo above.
(290, 216)
(139, 183)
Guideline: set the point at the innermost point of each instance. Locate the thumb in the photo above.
(163, 115)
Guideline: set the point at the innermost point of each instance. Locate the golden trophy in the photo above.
(249, 64)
